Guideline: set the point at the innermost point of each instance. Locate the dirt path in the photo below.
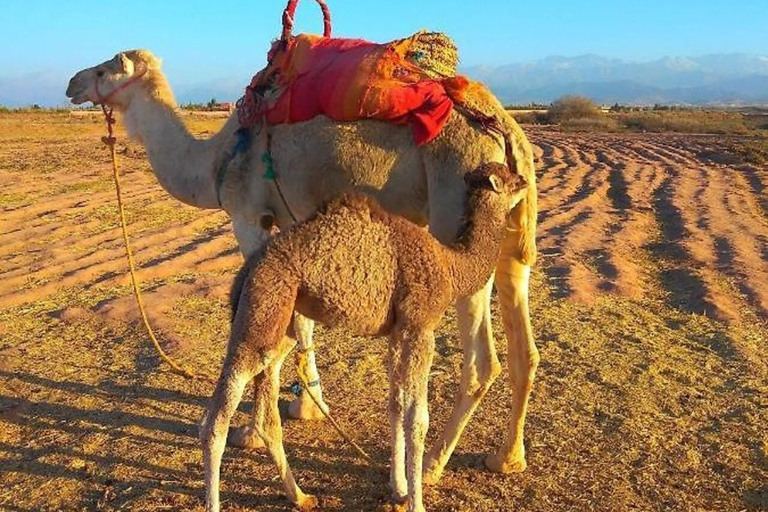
(650, 306)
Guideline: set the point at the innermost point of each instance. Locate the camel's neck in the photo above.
(474, 254)
(185, 166)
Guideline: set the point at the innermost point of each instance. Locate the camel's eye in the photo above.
(100, 73)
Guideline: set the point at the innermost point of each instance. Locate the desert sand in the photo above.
(649, 305)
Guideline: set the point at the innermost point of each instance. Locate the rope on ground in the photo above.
(110, 140)
(302, 363)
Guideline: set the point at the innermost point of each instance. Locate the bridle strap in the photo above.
(103, 99)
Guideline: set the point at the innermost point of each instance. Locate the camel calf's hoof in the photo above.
(431, 477)
(245, 438)
(499, 465)
(304, 408)
(306, 503)
(432, 472)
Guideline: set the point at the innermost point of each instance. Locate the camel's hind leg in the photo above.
(246, 437)
(479, 369)
(522, 357)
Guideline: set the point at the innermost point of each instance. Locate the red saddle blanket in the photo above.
(348, 80)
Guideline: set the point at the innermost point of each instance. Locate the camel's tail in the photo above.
(522, 218)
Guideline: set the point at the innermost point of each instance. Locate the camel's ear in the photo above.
(154, 62)
(497, 184)
(126, 64)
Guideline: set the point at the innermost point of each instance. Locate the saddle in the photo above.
(409, 81)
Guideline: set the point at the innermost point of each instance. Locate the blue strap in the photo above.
(242, 141)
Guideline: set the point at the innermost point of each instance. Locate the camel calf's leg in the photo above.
(398, 482)
(251, 238)
(415, 361)
(303, 407)
(480, 368)
(246, 437)
(270, 429)
(213, 429)
(512, 278)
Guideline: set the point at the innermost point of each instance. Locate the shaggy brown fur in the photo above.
(354, 265)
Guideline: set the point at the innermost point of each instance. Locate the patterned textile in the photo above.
(348, 80)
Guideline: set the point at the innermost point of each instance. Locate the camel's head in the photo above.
(115, 81)
(496, 180)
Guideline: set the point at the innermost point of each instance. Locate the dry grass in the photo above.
(639, 404)
(685, 121)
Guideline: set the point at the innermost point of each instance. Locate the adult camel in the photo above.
(316, 160)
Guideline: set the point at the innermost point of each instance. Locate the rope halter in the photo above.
(135, 78)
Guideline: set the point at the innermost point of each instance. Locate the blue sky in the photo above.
(227, 39)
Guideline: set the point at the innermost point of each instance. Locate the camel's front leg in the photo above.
(522, 357)
(480, 368)
(303, 407)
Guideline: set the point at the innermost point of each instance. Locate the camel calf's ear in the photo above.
(479, 179)
(497, 184)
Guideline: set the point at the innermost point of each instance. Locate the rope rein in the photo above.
(301, 355)
(302, 363)
(110, 141)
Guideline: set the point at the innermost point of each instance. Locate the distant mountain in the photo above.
(720, 79)
(45, 89)
(727, 79)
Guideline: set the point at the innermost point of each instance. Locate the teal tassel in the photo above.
(269, 173)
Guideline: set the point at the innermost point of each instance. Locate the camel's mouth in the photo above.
(76, 93)
(78, 100)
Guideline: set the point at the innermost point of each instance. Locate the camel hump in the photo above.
(356, 201)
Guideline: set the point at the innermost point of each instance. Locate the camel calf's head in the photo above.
(114, 81)
(497, 178)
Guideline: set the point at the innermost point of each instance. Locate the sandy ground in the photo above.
(649, 303)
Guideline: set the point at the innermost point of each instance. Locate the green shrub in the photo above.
(569, 108)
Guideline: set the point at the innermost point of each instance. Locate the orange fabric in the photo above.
(351, 79)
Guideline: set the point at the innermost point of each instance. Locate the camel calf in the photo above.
(354, 265)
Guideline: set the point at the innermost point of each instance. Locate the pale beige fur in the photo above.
(355, 266)
(318, 159)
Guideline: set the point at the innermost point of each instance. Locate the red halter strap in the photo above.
(103, 99)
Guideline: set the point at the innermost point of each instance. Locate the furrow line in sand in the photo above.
(68, 255)
(114, 272)
(571, 185)
(60, 205)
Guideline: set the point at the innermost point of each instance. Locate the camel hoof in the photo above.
(499, 465)
(432, 473)
(303, 408)
(245, 438)
(431, 477)
(307, 502)
(400, 506)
